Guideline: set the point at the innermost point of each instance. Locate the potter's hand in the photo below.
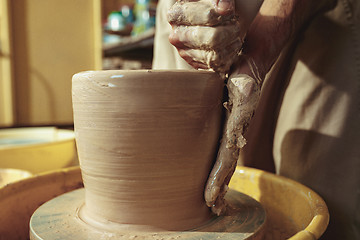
(210, 36)
(277, 23)
(207, 35)
(244, 94)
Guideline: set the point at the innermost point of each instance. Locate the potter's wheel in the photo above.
(60, 218)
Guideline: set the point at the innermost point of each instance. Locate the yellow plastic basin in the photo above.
(294, 211)
(22, 198)
(37, 149)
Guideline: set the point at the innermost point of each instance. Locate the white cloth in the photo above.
(165, 54)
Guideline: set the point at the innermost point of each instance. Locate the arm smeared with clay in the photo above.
(209, 34)
(244, 95)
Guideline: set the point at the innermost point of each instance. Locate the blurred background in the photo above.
(44, 42)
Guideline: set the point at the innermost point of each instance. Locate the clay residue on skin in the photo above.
(244, 94)
(205, 34)
(207, 38)
(200, 12)
(209, 45)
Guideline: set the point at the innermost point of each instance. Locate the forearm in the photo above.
(277, 23)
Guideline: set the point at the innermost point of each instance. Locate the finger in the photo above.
(209, 59)
(197, 58)
(200, 12)
(207, 38)
(219, 205)
(224, 7)
(184, 53)
(224, 165)
(219, 60)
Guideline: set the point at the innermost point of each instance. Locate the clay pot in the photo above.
(146, 142)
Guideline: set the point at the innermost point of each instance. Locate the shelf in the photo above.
(129, 43)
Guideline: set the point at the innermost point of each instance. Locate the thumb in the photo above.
(224, 7)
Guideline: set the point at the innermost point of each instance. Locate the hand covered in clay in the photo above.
(207, 35)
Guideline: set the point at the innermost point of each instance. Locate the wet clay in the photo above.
(146, 142)
(60, 218)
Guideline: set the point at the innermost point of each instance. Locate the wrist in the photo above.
(276, 24)
(247, 10)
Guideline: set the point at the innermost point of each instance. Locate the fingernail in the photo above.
(225, 6)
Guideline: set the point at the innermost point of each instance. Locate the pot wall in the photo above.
(146, 142)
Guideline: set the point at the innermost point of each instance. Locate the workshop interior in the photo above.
(95, 144)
